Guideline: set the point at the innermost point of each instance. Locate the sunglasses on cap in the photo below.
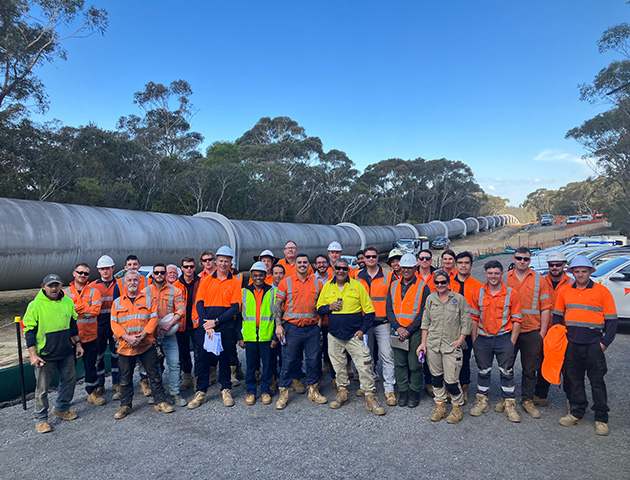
(522, 259)
(441, 282)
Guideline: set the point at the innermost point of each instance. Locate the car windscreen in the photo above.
(609, 266)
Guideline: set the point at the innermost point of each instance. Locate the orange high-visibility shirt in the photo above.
(495, 314)
(87, 304)
(131, 318)
(300, 299)
(471, 285)
(378, 290)
(289, 269)
(587, 307)
(168, 299)
(553, 292)
(534, 295)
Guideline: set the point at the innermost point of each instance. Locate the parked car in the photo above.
(352, 260)
(546, 219)
(615, 275)
(586, 218)
(573, 219)
(602, 256)
(441, 242)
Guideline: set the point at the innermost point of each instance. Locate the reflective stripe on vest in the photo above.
(405, 319)
(386, 276)
(264, 332)
(589, 308)
(289, 312)
(504, 317)
(135, 316)
(535, 310)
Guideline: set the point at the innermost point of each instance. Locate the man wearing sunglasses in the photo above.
(496, 316)
(350, 316)
(377, 281)
(208, 262)
(87, 304)
(168, 299)
(426, 268)
(188, 283)
(556, 279)
(536, 309)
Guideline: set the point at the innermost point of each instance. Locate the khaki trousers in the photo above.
(445, 368)
(360, 355)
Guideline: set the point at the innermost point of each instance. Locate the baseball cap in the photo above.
(52, 278)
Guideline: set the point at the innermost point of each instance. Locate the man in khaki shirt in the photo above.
(445, 323)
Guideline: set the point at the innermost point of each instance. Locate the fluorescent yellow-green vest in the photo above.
(264, 332)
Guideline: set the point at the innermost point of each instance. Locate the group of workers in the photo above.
(294, 321)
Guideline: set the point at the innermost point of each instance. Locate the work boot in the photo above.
(465, 393)
(456, 414)
(235, 381)
(186, 383)
(480, 406)
(179, 401)
(44, 427)
(250, 399)
(315, 396)
(228, 401)
(601, 428)
(439, 412)
(360, 393)
(510, 410)
(284, 398)
(146, 388)
(529, 407)
(199, 399)
(414, 398)
(116, 390)
(340, 399)
(163, 407)
(429, 389)
(266, 399)
(543, 402)
(122, 412)
(500, 406)
(212, 377)
(298, 387)
(390, 399)
(569, 420)
(101, 390)
(403, 398)
(96, 399)
(372, 405)
(67, 415)
(326, 368)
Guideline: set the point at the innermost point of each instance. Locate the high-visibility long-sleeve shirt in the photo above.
(357, 312)
(534, 295)
(87, 304)
(131, 318)
(495, 314)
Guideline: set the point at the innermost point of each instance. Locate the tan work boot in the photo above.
(315, 396)
(360, 393)
(284, 398)
(390, 399)
(465, 393)
(372, 405)
(122, 412)
(186, 383)
(95, 399)
(116, 390)
(235, 381)
(510, 410)
(439, 412)
(163, 407)
(500, 406)
(298, 387)
(266, 399)
(542, 402)
(480, 406)
(228, 401)
(340, 399)
(456, 414)
(250, 399)
(531, 410)
(601, 428)
(569, 420)
(199, 399)
(43, 427)
(146, 388)
(67, 415)
(212, 376)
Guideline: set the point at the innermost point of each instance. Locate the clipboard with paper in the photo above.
(214, 344)
(396, 343)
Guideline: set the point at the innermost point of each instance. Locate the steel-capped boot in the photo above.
(439, 412)
(315, 396)
(531, 410)
(372, 405)
(456, 414)
(480, 406)
(340, 399)
(510, 410)
(284, 398)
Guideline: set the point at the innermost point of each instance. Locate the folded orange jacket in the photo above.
(555, 346)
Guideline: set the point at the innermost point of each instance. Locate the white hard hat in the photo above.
(167, 318)
(259, 266)
(105, 261)
(225, 251)
(408, 260)
(556, 256)
(580, 261)
(335, 247)
(265, 253)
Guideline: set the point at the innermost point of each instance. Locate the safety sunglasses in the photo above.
(371, 256)
(440, 282)
(342, 269)
(522, 259)
(188, 266)
(161, 272)
(556, 264)
(85, 274)
(424, 259)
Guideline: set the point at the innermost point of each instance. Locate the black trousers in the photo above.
(590, 360)
(149, 361)
(464, 373)
(183, 343)
(530, 345)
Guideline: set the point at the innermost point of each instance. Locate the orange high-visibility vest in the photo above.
(87, 305)
(406, 309)
(378, 289)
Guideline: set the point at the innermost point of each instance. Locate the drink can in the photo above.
(421, 357)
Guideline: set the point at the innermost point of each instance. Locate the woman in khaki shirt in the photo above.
(445, 323)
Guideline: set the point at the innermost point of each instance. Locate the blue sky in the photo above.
(490, 83)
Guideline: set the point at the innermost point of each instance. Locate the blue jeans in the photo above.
(301, 341)
(65, 392)
(486, 348)
(171, 352)
(257, 353)
(207, 360)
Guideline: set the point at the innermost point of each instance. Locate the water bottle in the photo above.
(365, 339)
(421, 357)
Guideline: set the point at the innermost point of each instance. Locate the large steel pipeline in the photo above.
(37, 238)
